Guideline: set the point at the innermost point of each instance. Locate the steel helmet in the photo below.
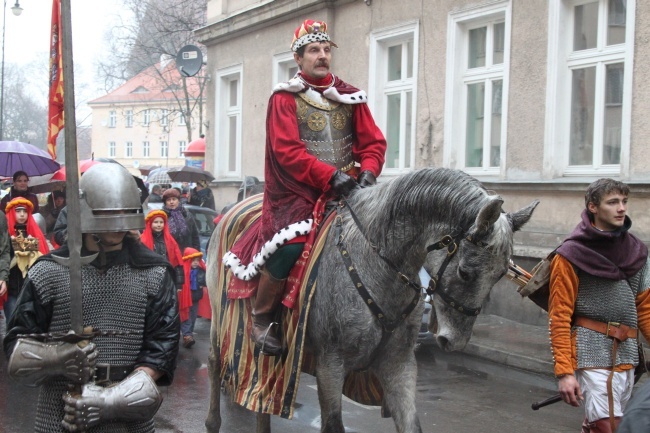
(109, 200)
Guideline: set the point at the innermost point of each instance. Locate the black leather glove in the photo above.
(342, 183)
(366, 178)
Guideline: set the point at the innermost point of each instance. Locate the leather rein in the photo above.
(449, 241)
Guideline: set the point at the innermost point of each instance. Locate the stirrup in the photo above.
(262, 346)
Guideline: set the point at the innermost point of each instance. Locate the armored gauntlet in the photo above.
(34, 361)
(134, 399)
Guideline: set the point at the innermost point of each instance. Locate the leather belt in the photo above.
(111, 373)
(615, 330)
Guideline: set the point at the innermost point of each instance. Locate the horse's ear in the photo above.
(521, 217)
(487, 216)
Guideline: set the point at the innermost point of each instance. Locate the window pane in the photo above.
(407, 129)
(474, 131)
(499, 40)
(232, 143)
(292, 72)
(585, 26)
(409, 60)
(613, 114)
(233, 92)
(616, 18)
(395, 62)
(582, 116)
(495, 131)
(477, 47)
(393, 121)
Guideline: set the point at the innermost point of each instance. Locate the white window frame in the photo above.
(561, 60)
(128, 123)
(128, 149)
(146, 149)
(223, 113)
(164, 117)
(146, 117)
(112, 119)
(164, 149)
(181, 119)
(182, 145)
(458, 77)
(111, 149)
(379, 89)
(282, 63)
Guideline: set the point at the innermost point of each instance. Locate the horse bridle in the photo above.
(449, 241)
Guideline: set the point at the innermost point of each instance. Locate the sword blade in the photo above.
(72, 172)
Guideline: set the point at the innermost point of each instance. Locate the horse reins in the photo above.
(448, 241)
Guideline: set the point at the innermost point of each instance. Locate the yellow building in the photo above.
(143, 122)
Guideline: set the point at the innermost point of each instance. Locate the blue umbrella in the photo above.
(16, 156)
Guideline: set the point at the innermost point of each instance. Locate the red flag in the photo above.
(55, 109)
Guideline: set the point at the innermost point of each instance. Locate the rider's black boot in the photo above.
(265, 329)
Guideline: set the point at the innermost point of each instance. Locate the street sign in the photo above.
(189, 60)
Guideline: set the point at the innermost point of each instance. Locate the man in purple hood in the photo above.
(599, 300)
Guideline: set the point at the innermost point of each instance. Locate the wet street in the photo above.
(456, 394)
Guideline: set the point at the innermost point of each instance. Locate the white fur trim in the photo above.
(250, 271)
(359, 97)
(294, 85)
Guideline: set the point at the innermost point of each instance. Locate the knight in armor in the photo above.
(110, 383)
(599, 300)
(320, 139)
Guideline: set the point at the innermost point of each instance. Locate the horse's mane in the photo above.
(449, 199)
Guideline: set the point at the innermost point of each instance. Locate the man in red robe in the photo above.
(321, 140)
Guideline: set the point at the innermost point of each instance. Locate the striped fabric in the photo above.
(261, 383)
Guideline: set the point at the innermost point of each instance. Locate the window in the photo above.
(477, 86)
(164, 117)
(228, 116)
(182, 145)
(146, 149)
(393, 79)
(164, 150)
(146, 117)
(112, 119)
(128, 149)
(111, 149)
(181, 119)
(589, 132)
(128, 118)
(284, 67)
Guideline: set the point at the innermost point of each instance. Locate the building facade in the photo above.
(143, 122)
(536, 99)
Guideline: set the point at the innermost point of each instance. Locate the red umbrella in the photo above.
(84, 165)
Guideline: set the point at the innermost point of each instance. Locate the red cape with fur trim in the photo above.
(294, 179)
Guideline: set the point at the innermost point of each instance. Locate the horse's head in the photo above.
(479, 261)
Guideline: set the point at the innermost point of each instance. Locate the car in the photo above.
(204, 218)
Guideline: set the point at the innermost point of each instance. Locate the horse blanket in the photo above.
(261, 383)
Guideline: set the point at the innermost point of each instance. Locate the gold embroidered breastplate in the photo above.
(326, 129)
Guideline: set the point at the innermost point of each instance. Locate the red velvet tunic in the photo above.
(294, 179)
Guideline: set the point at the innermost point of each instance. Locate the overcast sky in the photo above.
(28, 35)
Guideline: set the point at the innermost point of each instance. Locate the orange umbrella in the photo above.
(84, 165)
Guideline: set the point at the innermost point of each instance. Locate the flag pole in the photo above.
(72, 172)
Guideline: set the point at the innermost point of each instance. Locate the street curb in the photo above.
(510, 359)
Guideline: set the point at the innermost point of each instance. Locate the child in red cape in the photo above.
(188, 299)
(27, 244)
(156, 237)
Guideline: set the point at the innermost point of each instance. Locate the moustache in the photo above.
(325, 64)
